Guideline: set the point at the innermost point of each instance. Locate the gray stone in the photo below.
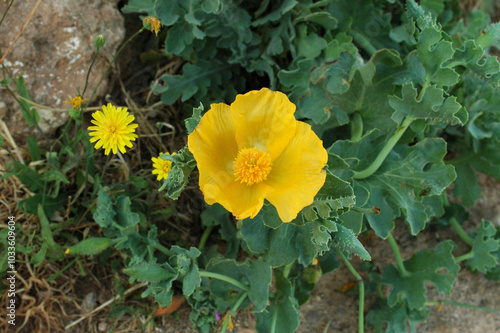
(54, 53)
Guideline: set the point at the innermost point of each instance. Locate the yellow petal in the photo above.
(213, 145)
(297, 174)
(240, 199)
(264, 120)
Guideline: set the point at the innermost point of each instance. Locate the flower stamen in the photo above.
(252, 166)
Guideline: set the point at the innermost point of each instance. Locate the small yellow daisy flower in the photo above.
(161, 167)
(155, 24)
(113, 129)
(77, 102)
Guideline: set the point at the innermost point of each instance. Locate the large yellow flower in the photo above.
(255, 149)
(113, 129)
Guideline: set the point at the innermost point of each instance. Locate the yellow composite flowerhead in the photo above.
(76, 102)
(255, 149)
(113, 129)
(161, 167)
(154, 23)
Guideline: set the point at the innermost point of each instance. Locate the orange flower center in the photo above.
(252, 166)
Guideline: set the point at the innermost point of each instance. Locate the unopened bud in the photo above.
(99, 41)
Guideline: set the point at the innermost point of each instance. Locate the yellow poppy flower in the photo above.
(113, 129)
(161, 167)
(255, 149)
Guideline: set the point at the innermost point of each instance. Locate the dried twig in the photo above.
(102, 306)
(20, 31)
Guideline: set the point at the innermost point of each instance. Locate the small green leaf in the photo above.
(46, 231)
(30, 114)
(256, 274)
(432, 106)
(193, 121)
(151, 272)
(484, 248)
(183, 164)
(310, 46)
(124, 215)
(466, 186)
(397, 317)
(196, 78)
(490, 36)
(425, 265)
(104, 214)
(139, 6)
(91, 246)
(347, 241)
(284, 307)
(33, 148)
(334, 197)
(40, 255)
(185, 262)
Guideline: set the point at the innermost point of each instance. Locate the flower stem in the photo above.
(88, 73)
(465, 256)
(356, 127)
(163, 249)
(385, 151)
(233, 310)
(111, 63)
(362, 41)
(364, 210)
(5, 14)
(461, 304)
(361, 285)
(274, 321)
(461, 232)
(204, 237)
(397, 254)
(224, 278)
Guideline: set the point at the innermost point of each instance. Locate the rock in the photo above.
(54, 52)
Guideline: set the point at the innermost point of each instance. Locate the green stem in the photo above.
(461, 232)
(88, 73)
(363, 210)
(397, 254)
(363, 42)
(233, 310)
(385, 151)
(461, 304)
(286, 269)
(111, 63)
(274, 321)
(224, 278)
(361, 285)
(465, 256)
(163, 249)
(424, 88)
(5, 14)
(204, 237)
(356, 127)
